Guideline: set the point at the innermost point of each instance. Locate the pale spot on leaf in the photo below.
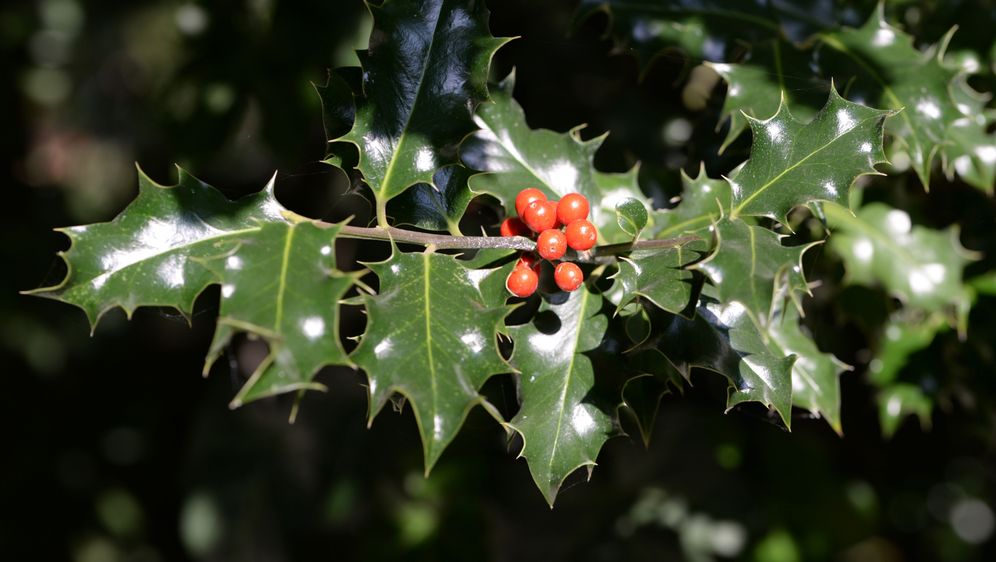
(473, 341)
(863, 250)
(774, 131)
(987, 153)
(884, 37)
(581, 420)
(929, 109)
(383, 348)
(424, 160)
(898, 221)
(313, 327)
(844, 121)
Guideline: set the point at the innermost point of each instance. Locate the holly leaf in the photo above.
(515, 156)
(755, 86)
(752, 267)
(971, 151)
(709, 30)
(563, 426)
(794, 163)
(431, 336)
(722, 338)
(920, 266)
(702, 29)
(152, 253)
(424, 71)
(631, 216)
(702, 202)
(281, 283)
(439, 206)
(815, 375)
(338, 114)
(642, 398)
(642, 393)
(905, 333)
(881, 65)
(615, 190)
(899, 400)
(658, 276)
(984, 284)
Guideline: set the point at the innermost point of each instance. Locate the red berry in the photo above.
(540, 215)
(522, 282)
(572, 207)
(581, 235)
(556, 223)
(513, 226)
(551, 244)
(568, 276)
(527, 196)
(530, 260)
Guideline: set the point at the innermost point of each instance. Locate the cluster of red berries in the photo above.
(537, 215)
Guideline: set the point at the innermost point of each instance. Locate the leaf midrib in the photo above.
(567, 381)
(408, 119)
(282, 280)
(428, 345)
(739, 208)
(516, 155)
(782, 348)
(886, 88)
(753, 264)
(174, 249)
(846, 217)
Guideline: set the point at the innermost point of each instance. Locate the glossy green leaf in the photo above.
(338, 114)
(438, 206)
(881, 65)
(281, 284)
(642, 398)
(657, 376)
(815, 384)
(794, 163)
(702, 202)
(614, 189)
(984, 284)
(750, 266)
(880, 245)
(515, 157)
(151, 254)
(431, 336)
(425, 70)
(722, 338)
(971, 152)
(897, 401)
(710, 30)
(905, 333)
(703, 29)
(755, 86)
(562, 427)
(631, 216)
(658, 276)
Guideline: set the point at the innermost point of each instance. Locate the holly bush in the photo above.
(807, 137)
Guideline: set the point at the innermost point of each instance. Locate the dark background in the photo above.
(115, 448)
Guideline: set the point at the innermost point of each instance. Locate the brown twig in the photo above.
(446, 242)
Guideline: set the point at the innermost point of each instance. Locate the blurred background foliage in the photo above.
(116, 449)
